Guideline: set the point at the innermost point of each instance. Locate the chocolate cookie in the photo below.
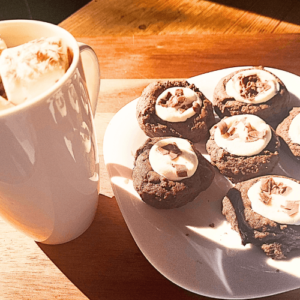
(175, 108)
(251, 91)
(290, 133)
(243, 147)
(170, 172)
(264, 211)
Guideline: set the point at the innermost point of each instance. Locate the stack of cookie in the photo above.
(243, 146)
(169, 172)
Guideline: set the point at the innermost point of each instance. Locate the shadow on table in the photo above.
(287, 11)
(96, 261)
(53, 11)
(104, 262)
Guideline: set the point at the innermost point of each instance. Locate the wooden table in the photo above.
(105, 263)
(165, 17)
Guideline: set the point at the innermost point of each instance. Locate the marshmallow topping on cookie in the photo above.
(177, 104)
(277, 199)
(243, 135)
(253, 86)
(173, 158)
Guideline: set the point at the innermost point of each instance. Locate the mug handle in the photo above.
(91, 71)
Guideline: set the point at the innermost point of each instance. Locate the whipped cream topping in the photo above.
(294, 130)
(173, 158)
(172, 105)
(244, 135)
(252, 86)
(30, 69)
(282, 206)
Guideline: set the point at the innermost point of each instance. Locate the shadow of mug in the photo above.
(49, 165)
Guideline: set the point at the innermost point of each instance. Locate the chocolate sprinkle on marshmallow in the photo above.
(181, 170)
(291, 207)
(269, 187)
(171, 149)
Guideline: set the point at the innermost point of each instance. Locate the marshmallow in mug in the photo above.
(252, 86)
(243, 135)
(30, 69)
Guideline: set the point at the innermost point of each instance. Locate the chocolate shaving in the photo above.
(184, 107)
(168, 96)
(163, 101)
(281, 189)
(173, 155)
(181, 99)
(163, 151)
(251, 86)
(250, 139)
(291, 207)
(232, 137)
(178, 101)
(265, 198)
(266, 185)
(171, 149)
(269, 187)
(181, 170)
(230, 132)
(249, 127)
(196, 106)
(223, 127)
(179, 92)
(173, 102)
(257, 134)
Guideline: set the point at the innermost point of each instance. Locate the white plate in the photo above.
(181, 243)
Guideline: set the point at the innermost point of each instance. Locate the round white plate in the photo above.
(194, 246)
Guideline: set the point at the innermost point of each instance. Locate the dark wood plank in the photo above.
(291, 21)
(163, 17)
(190, 55)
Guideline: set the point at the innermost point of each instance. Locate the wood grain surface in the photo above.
(137, 42)
(164, 17)
(105, 263)
(144, 57)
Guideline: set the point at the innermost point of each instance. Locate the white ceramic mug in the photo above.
(49, 166)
